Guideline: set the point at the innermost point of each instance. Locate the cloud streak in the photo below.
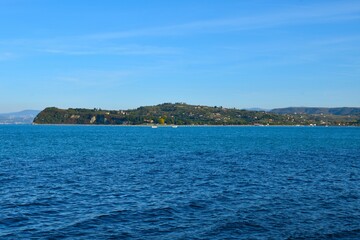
(94, 78)
(119, 50)
(5, 56)
(302, 15)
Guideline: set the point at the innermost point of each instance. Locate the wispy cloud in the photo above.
(337, 40)
(105, 43)
(119, 50)
(309, 14)
(76, 46)
(93, 78)
(6, 56)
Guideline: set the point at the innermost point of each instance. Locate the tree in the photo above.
(161, 121)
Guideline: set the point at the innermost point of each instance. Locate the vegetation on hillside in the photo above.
(184, 114)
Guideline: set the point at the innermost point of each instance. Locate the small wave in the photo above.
(347, 234)
(199, 205)
(34, 204)
(245, 227)
(94, 224)
(156, 214)
(353, 234)
(10, 221)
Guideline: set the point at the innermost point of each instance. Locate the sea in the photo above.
(112, 182)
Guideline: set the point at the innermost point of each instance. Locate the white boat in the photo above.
(174, 126)
(153, 126)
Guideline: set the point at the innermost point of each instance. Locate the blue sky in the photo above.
(125, 54)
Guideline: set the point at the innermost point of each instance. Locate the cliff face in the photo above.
(184, 114)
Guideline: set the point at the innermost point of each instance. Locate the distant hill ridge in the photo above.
(21, 113)
(340, 111)
(22, 117)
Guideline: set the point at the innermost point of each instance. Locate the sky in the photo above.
(130, 53)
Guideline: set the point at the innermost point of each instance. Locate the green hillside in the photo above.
(184, 114)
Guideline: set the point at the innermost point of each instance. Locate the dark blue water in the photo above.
(82, 182)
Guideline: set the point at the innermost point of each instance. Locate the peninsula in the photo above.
(185, 114)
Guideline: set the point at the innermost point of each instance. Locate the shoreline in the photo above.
(178, 126)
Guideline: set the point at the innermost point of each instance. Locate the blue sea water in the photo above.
(83, 182)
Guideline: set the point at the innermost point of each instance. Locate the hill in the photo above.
(23, 117)
(343, 111)
(183, 114)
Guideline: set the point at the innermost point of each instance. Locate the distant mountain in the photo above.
(342, 111)
(257, 109)
(23, 117)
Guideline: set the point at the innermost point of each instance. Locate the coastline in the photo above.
(179, 126)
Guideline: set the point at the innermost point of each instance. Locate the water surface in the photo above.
(81, 182)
